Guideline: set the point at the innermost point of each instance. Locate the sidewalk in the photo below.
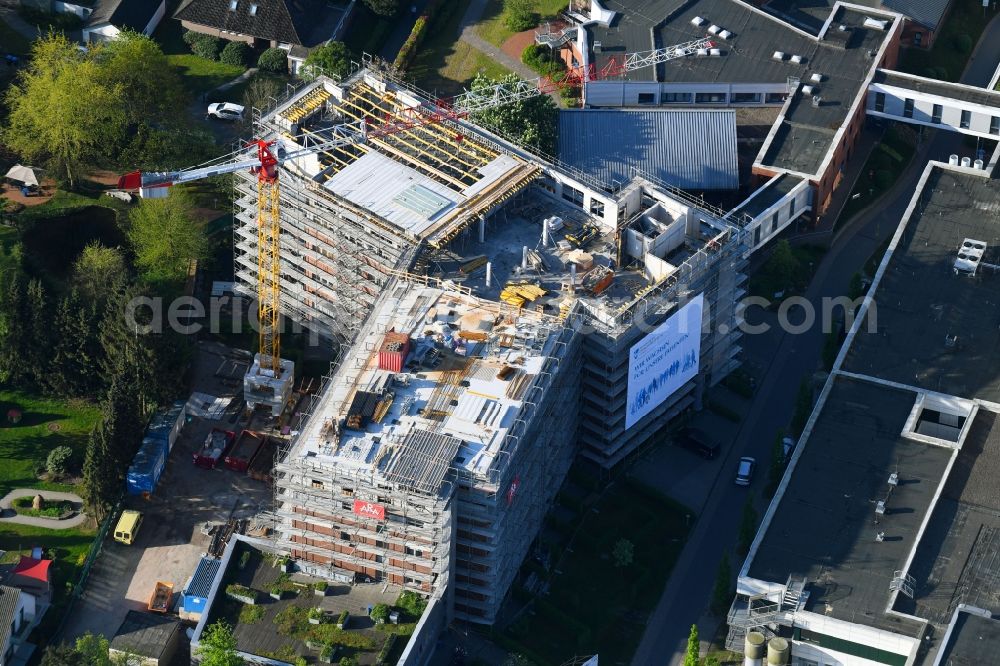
(49, 523)
(469, 36)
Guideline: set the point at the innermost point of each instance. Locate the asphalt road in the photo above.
(784, 359)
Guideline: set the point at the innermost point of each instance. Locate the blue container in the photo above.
(147, 467)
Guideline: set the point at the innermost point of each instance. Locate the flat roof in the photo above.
(145, 634)
(769, 194)
(974, 640)
(973, 94)
(824, 528)
(843, 57)
(960, 550)
(690, 149)
(937, 330)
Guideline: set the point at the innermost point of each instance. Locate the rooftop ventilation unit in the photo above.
(807, 90)
(875, 23)
(817, 100)
(702, 52)
(714, 29)
(880, 536)
(698, 21)
(966, 161)
(715, 53)
(880, 507)
(725, 34)
(797, 59)
(598, 47)
(970, 254)
(778, 55)
(842, 28)
(816, 77)
(894, 479)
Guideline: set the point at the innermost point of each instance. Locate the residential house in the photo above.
(293, 25)
(17, 615)
(110, 17)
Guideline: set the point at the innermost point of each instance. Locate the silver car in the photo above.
(225, 111)
(745, 471)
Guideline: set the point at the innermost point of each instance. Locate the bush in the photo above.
(204, 46)
(320, 586)
(343, 619)
(50, 509)
(963, 43)
(409, 49)
(251, 614)
(235, 53)
(380, 613)
(519, 15)
(273, 60)
(541, 59)
(383, 655)
(58, 463)
(244, 559)
(411, 603)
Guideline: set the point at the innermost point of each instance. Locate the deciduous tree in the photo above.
(529, 122)
(383, 7)
(150, 88)
(63, 113)
(332, 59)
(97, 269)
(218, 646)
(166, 239)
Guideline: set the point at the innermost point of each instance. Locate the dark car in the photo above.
(697, 441)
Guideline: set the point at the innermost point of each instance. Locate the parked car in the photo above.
(697, 441)
(744, 473)
(225, 111)
(787, 446)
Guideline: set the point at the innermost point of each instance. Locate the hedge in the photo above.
(273, 60)
(205, 46)
(412, 43)
(235, 53)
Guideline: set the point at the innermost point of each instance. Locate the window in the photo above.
(966, 119)
(597, 208)
(918, 37)
(253, 9)
(774, 222)
(572, 195)
(880, 102)
(995, 125)
(774, 98)
(710, 98)
(936, 114)
(647, 98)
(233, 4)
(675, 98)
(756, 236)
(745, 98)
(908, 108)
(791, 209)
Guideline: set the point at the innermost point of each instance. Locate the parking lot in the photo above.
(171, 539)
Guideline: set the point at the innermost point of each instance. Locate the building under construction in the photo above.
(493, 310)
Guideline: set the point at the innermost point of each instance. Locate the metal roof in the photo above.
(8, 606)
(145, 634)
(201, 582)
(690, 149)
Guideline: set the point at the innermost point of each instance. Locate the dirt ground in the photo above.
(171, 540)
(46, 189)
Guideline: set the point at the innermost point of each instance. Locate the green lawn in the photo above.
(45, 425)
(69, 550)
(946, 60)
(594, 606)
(201, 75)
(445, 64)
(491, 26)
(889, 159)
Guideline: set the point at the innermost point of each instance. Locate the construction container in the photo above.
(214, 448)
(243, 451)
(261, 465)
(147, 467)
(392, 353)
(167, 424)
(159, 600)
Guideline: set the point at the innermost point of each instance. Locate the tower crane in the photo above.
(263, 158)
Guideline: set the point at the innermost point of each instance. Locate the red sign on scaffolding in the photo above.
(369, 509)
(513, 489)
